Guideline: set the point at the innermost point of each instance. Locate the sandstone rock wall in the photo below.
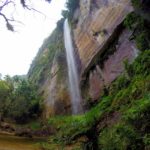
(99, 25)
(95, 28)
(113, 66)
(56, 92)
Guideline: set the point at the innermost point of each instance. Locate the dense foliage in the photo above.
(18, 99)
(51, 47)
(113, 124)
(138, 22)
(141, 4)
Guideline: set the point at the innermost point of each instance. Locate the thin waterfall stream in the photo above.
(72, 71)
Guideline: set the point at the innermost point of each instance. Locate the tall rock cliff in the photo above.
(112, 51)
(49, 72)
(102, 43)
(102, 46)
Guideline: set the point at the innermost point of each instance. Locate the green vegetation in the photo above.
(140, 27)
(5, 90)
(140, 5)
(143, 40)
(131, 20)
(18, 99)
(113, 124)
(78, 125)
(136, 3)
(51, 47)
(118, 137)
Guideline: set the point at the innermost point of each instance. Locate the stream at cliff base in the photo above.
(8, 142)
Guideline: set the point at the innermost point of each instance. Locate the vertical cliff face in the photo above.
(112, 49)
(55, 89)
(97, 25)
(103, 43)
(49, 72)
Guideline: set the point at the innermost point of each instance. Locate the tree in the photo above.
(19, 99)
(11, 19)
(25, 102)
(5, 91)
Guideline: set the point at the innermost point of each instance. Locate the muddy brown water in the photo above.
(9, 142)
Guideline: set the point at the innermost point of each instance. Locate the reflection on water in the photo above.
(8, 142)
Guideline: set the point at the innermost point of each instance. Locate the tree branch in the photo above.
(6, 3)
(24, 5)
(8, 24)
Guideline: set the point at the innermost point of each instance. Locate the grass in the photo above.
(78, 124)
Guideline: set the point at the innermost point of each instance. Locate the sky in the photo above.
(18, 49)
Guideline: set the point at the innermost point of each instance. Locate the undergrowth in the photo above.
(129, 96)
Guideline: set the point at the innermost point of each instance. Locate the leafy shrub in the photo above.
(146, 139)
(133, 21)
(43, 61)
(117, 137)
(5, 92)
(4, 89)
(140, 4)
(139, 25)
(24, 102)
(142, 63)
(121, 98)
(18, 99)
(137, 109)
(140, 66)
(137, 88)
(121, 83)
(130, 20)
(141, 41)
(136, 3)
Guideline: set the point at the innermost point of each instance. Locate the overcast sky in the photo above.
(18, 49)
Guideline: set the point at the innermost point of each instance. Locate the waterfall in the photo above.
(72, 71)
